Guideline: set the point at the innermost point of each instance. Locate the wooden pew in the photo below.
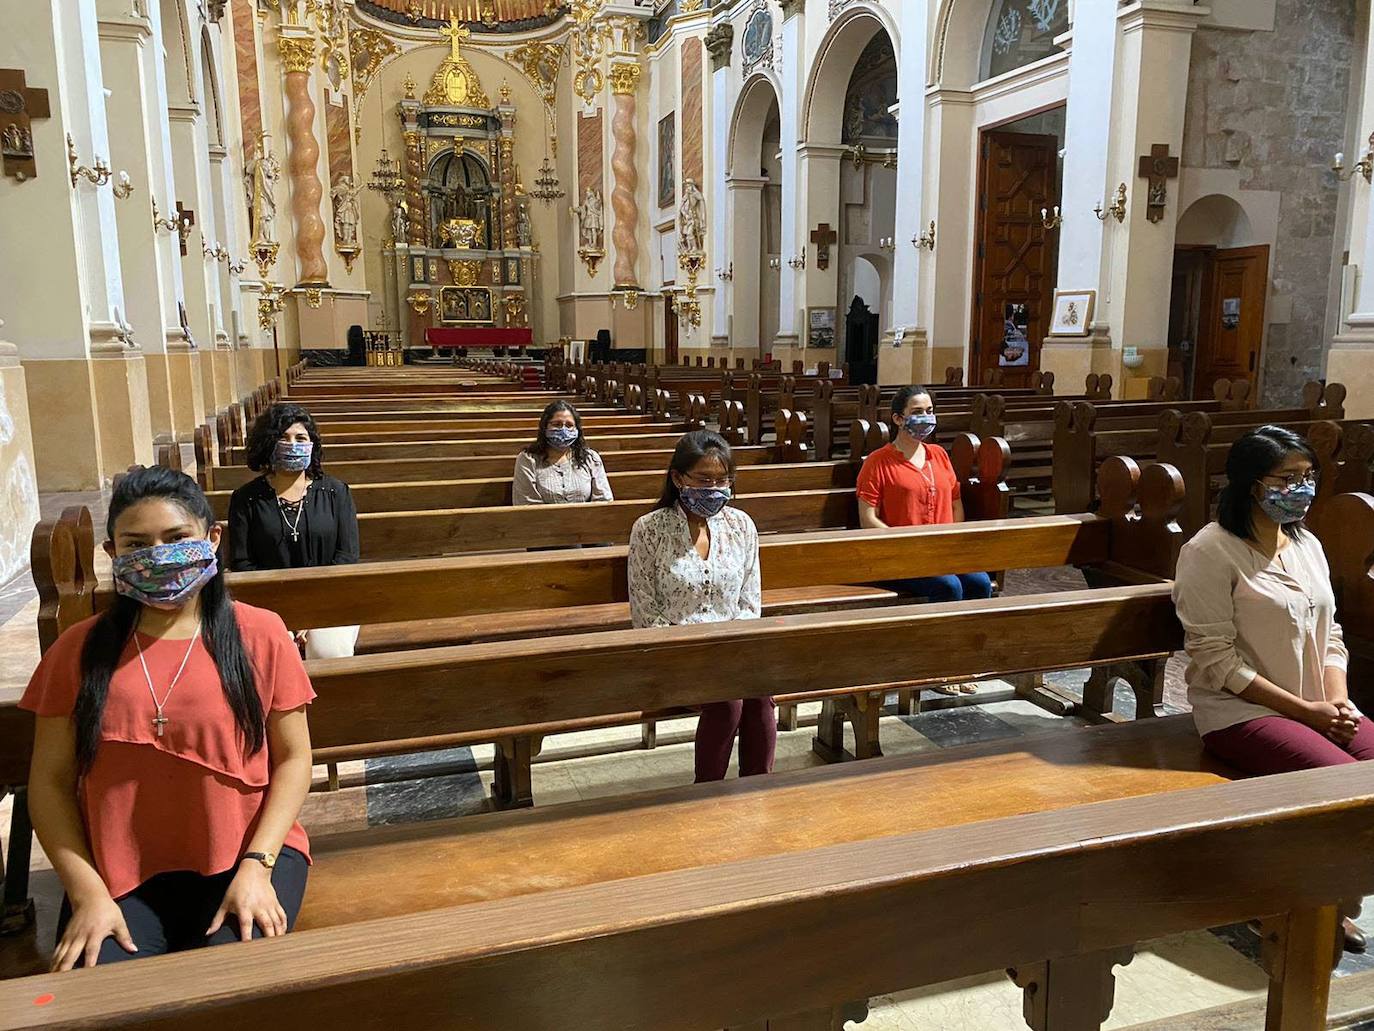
(477, 447)
(1083, 437)
(1050, 858)
(1345, 530)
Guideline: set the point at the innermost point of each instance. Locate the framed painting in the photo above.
(1073, 313)
(667, 160)
(820, 327)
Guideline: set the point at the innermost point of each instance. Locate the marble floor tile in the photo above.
(949, 728)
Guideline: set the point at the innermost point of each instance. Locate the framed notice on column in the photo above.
(820, 327)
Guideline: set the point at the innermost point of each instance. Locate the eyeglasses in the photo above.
(1307, 479)
(704, 484)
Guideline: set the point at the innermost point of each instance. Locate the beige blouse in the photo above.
(1245, 614)
(670, 584)
(561, 483)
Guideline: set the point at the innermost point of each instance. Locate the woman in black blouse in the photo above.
(294, 514)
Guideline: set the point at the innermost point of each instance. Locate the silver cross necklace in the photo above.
(160, 721)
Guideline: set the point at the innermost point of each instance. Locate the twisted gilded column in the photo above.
(298, 56)
(624, 82)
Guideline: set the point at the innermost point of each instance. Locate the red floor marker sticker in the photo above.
(44, 999)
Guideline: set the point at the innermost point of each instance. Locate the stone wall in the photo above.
(1272, 106)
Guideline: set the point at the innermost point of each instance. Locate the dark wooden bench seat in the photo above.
(479, 446)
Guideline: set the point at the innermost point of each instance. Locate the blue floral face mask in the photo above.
(165, 576)
(1288, 505)
(704, 501)
(292, 456)
(562, 437)
(920, 425)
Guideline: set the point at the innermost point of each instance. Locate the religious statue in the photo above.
(591, 218)
(691, 220)
(347, 214)
(400, 221)
(524, 234)
(262, 174)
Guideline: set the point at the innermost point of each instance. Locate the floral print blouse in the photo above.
(670, 584)
(541, 483)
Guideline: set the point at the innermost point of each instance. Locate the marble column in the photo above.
(1092, 69)
(1350, 359)
(789, 111)
(298, 58)
(624, 199)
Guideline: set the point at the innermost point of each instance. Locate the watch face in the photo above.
(269, 860)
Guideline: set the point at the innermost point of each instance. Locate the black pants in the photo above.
(170, 912)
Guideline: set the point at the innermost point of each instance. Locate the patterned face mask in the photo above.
(920, 425)
(292, 456)
(704, 501)
(562, 437)
(166, 576)
(1289, 505)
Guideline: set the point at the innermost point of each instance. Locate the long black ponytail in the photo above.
(219, 629)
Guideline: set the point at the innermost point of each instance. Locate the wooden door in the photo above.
(1231, 328)
(861, 343)
(1015, 257)
(669, 329)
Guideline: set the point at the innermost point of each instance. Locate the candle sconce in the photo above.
(1051, 223)
(926, 241)
(1116, 210)
(1364, 167)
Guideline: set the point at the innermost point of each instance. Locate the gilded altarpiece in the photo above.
(468, 232)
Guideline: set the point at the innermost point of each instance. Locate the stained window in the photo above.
(1021, 32)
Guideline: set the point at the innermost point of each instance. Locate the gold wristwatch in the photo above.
(267, 859)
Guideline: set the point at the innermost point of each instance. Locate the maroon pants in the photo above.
(756, 722)
(1276, 744)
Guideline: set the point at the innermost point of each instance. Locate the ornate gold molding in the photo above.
(625, 78)
(297, 53)
(455, 81)
(540, 63)
(465, 273)
(370, 51)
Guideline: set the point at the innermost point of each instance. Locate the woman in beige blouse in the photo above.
(559, 468)
(1266, 660)
(695, 559)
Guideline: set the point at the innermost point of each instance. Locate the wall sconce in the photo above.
(1118, 208)
(123, 187)
(888, 244)
(169, 224)
(97, 175)
(1051, 223)
(798, 262)
(236, 267)
(1365, 166)
(726, 275)
(215, 253)
(926, 241)
(775, 263)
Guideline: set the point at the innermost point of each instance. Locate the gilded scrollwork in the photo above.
(540, 61)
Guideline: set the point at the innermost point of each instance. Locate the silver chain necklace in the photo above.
(294, 528)
(160, 721)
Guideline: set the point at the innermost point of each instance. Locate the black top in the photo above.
(260, 527)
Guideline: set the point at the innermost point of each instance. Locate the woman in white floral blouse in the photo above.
(559, 468)
(694, 559)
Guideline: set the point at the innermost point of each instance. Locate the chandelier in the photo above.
(546, 185)
(386, 176)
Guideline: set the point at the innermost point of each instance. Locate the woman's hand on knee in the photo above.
(1331, 720)
(251, 899)
(91, 923)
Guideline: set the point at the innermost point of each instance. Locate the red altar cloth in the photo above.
(478, 336)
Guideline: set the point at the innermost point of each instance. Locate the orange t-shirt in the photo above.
(188, 800)
(905, 495)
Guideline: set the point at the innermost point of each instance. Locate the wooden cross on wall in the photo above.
(1158, 167)
(19, 104)
(823, 236)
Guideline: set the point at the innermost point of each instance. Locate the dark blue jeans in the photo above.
(945, 588)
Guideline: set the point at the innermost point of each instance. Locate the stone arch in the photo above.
(962, 23)
(822, 112)
(757, 99)
(1216, 220)
(177, 42)
(214, 106)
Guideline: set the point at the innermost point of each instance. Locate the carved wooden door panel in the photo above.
(1015, 256)
(1231, 327)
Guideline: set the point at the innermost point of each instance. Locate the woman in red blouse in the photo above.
(171, 750)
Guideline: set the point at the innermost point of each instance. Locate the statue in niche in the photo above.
(262, 174)
(524, 234)
(591, 218)
(400, 221)
(691, 219)
(347, 214)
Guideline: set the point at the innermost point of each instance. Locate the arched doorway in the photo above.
(754, 181)
(1217, 305)
(849, 177)
(862, 328)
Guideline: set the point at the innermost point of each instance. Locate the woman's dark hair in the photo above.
(1252, 457)
(903, 397)
(540, 447)
(267, 430)
(690, 450)
(219, 628)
